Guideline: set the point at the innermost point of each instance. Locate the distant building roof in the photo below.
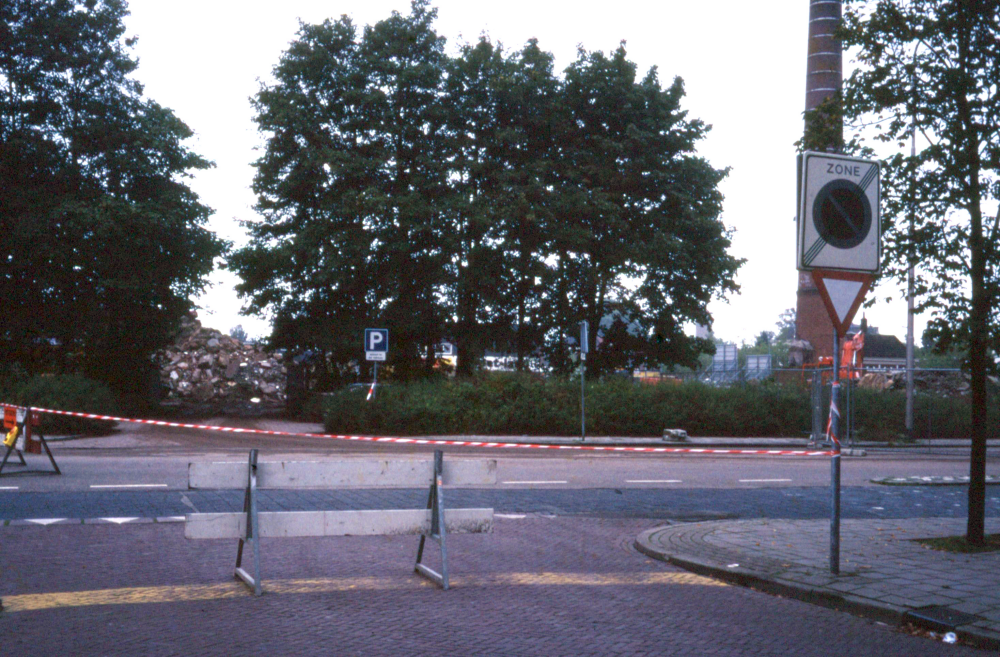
(871, 330)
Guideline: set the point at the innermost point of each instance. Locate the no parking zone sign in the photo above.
(839, 230)
(839, 226)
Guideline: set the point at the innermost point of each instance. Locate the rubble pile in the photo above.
(940, 384)
(204, 367)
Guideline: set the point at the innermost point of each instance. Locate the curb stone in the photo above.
(979, 637)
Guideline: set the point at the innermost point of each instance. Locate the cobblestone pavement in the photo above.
(536, 586)
(676, 504)
(883, 571)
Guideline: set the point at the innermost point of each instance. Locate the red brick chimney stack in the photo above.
(824, 74)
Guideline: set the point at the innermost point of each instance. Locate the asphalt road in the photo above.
(84, 469)
(141, 471)
(558, 576)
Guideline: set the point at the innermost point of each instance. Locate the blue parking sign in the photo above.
(376, 343)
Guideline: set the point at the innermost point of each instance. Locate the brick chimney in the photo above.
(824, 74)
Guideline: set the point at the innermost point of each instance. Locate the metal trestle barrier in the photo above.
(24, 427)
(438, 533)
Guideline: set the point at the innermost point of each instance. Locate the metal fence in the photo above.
(940, 401)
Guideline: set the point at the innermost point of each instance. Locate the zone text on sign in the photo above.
(844, 169)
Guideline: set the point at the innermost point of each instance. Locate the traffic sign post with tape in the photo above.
(839, 240)
(376, 348)
(376, 344)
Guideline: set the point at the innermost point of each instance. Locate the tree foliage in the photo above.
(103, 241)
(478, 198)
(935, 65)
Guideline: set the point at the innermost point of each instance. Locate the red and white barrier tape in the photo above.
(453, 443)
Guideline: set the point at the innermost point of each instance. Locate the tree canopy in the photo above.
(478, 198)
(934, 66)
(103, 242)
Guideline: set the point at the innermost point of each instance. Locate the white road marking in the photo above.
(128, 485)
(761, 481)
(653, 481)
(45, 521)
(119, 521)
(8, 487)
(515, 516)
(536, 482)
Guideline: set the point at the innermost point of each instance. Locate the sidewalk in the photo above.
(884, 574)
(538, 585)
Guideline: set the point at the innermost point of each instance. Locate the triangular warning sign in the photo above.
(842, 293)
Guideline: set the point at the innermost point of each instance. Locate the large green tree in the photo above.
(352, 189)
(935, 65)
(476, 92)
(526, 221)
(477, 198)
(403, 60)
(309, 262)
(637, 225)
(500, 118)
(104, 243)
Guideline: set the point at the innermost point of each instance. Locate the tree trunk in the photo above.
(978, 319)
(520, 338)
(979, 313)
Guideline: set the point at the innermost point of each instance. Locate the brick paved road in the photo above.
(679, 504)
(527, 589)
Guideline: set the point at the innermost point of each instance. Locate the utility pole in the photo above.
(910, 272)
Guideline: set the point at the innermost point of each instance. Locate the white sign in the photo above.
(839, 226)
(374, 355)
(842, 293)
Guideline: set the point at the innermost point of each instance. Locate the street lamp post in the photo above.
(910, 274)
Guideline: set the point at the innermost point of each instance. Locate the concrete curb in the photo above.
(837, 601)
(931, 481)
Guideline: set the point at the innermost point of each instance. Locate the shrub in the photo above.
(68, 392)
(881, 415)
(515, 404)
(12, 378)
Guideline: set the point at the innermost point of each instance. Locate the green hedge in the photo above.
(65, 392)
(882, 416)
(509, 404)
(524, 405)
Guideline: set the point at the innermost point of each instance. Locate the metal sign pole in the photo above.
(374, 378)
(584, 348)
(835, 461)
(583, 395)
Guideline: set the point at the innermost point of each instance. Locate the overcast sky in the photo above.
(743, 64)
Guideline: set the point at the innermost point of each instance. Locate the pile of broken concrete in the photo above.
(938, 383)
(206, 369)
